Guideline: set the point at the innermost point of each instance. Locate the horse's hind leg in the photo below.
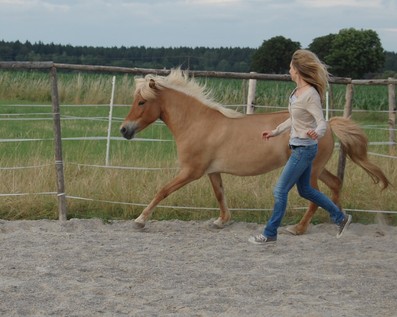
(217, 186)
(335, 184)
(301, 227)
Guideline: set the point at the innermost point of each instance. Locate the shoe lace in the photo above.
(260, 238)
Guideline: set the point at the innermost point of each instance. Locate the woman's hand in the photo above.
(312, 134)
(266, 135)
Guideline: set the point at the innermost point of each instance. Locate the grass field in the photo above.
(25, 113)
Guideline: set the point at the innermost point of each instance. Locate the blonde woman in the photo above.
(306, 125)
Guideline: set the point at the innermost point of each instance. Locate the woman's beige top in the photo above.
(305, 113)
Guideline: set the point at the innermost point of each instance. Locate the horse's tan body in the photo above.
(212, 140)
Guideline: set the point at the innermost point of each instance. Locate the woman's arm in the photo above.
(283, 126)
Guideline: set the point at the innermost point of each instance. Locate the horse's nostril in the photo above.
(123, 130)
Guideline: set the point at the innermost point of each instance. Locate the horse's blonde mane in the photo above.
(179, 80)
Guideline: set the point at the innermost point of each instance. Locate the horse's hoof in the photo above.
(294, 230)
(139, 225)
(219, 224)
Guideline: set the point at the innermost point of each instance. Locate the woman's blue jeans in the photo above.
(297, 171)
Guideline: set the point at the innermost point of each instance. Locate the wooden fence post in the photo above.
(346, 114)
(392, 117)
(251, 95)
(58, 145)
(331, 100)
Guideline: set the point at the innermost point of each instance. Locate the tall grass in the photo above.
(139, 186)
(74, 88)
(91, 88)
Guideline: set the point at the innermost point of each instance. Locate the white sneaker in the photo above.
(343, 226)
(261, 239)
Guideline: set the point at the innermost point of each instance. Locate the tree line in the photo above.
(350, 53)
(199, 58)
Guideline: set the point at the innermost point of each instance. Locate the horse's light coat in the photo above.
(212, 140)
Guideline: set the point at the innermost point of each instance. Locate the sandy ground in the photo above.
(175, 268)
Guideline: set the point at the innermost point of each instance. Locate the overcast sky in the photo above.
(192, 23)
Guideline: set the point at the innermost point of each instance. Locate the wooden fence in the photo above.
(252, 77)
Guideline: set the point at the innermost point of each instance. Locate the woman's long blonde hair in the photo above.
(311, 70)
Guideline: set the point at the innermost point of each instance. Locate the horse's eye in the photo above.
(141, 103)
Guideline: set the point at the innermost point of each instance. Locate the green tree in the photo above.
(355, 53)
(390, 61)
(322, 46)
(274, 55)
(390, 66)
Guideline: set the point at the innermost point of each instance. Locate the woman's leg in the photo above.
(292, 171)
(308, 192)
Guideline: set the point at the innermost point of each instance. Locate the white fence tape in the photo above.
(27, 194)
(382, 155)
(24, 167)
(125, 167)
(212, 208)
(86, 138)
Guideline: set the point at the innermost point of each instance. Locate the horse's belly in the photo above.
(247, 167)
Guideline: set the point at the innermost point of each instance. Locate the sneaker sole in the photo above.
(349, 220)
(269, 243)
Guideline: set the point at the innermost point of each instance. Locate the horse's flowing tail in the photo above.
(354, 143)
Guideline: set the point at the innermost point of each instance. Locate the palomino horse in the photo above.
(211, 140)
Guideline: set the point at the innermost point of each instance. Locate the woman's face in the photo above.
(293, 72)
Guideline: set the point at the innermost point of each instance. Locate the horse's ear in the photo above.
(152, 84)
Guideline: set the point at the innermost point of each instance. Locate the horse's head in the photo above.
(150, 100)
(145, 109)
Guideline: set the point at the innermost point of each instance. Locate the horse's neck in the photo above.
(181, 111)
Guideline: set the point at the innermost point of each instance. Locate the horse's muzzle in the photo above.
(127, 131)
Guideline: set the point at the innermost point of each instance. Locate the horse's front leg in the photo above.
(184, 177)
(217, 185)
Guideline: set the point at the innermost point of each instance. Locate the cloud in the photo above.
(24, 5)
(391, 30)
(343, 3)
(210, 2)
